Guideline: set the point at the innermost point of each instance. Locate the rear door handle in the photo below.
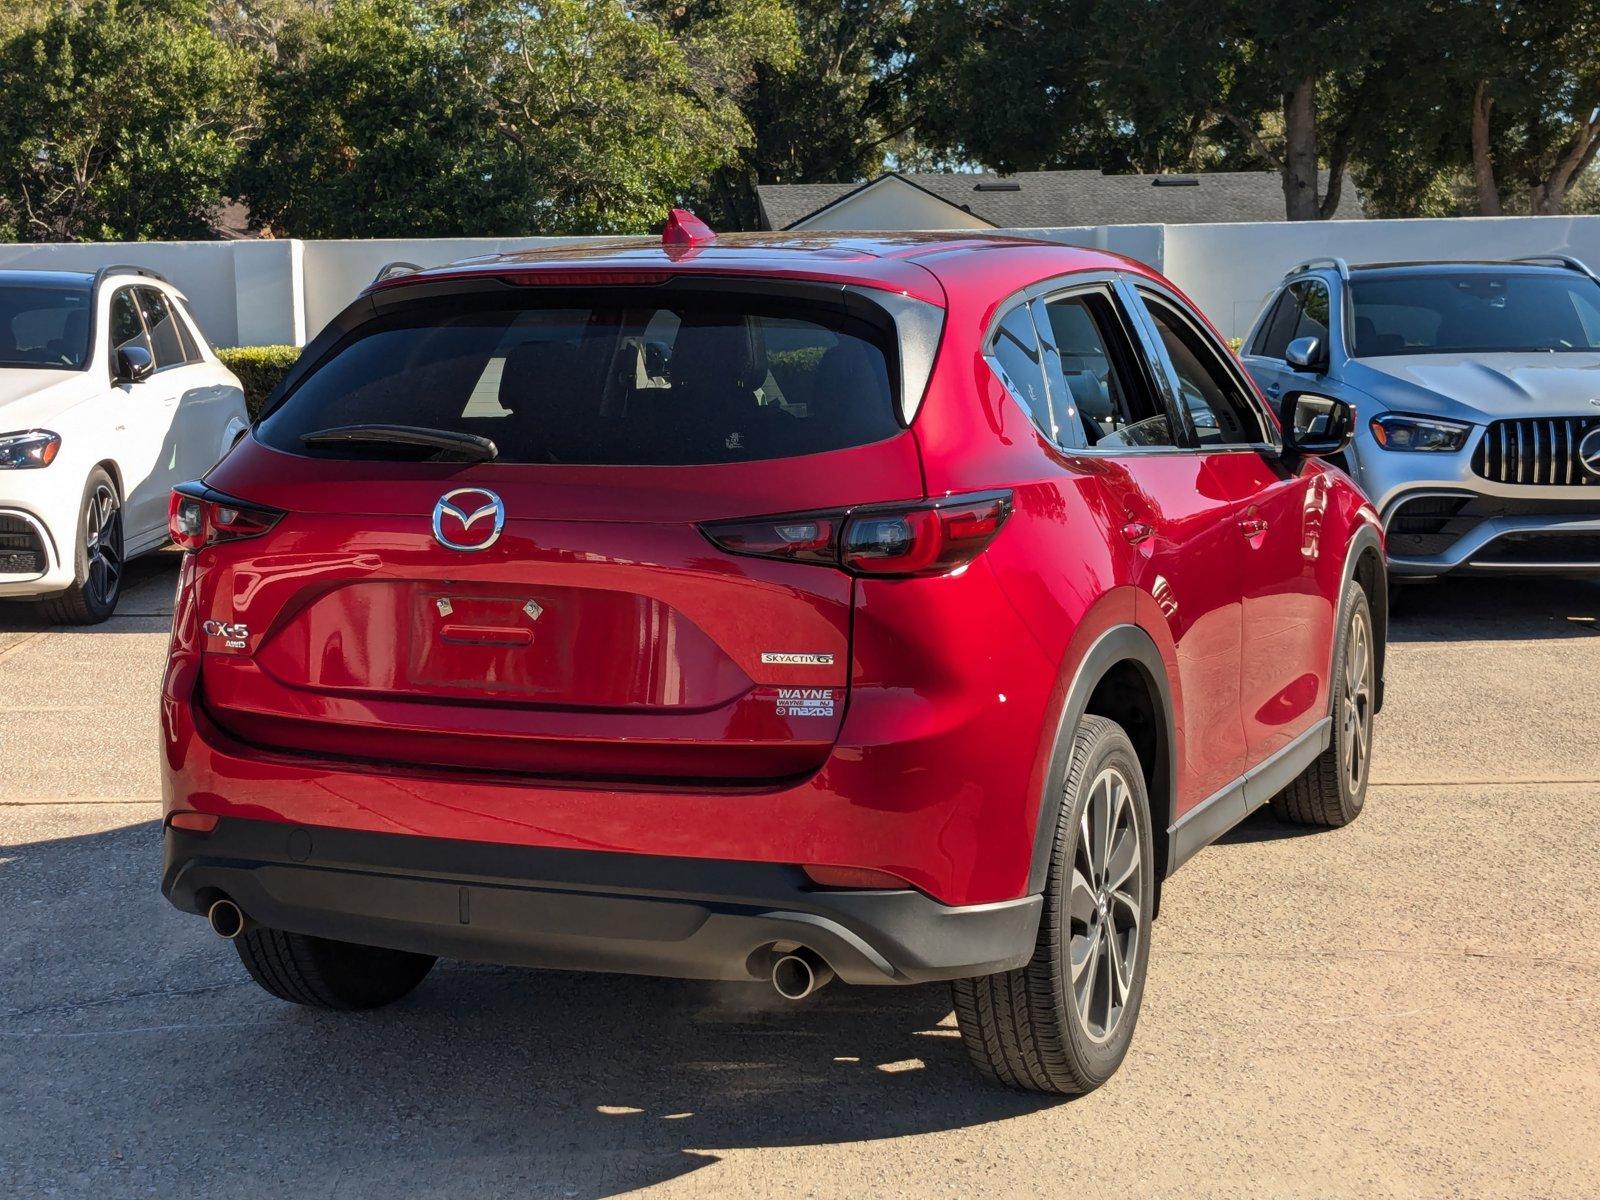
(1136, 531)
(1252, 526)
(1274, 388)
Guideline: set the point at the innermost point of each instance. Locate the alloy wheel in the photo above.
(102, 520)
(1356, 706)
(1104, 927)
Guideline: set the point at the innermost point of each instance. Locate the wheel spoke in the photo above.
(1108, 987)
(1081, 906)
(1088, 974)
(1099, 826)
(1118, 977)
(1124, 857)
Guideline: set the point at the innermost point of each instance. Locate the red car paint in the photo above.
(642, 718)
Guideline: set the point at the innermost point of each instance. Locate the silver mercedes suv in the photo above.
(1477, 386)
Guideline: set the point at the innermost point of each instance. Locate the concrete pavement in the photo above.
(1407, 1007)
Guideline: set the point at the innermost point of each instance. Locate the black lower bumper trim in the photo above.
(583, 910)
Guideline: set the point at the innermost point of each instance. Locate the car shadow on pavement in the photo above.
(1524, 609)
(145, 606)
(137, 1051)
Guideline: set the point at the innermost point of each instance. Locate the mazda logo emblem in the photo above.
(1589, 452)
(468, 519)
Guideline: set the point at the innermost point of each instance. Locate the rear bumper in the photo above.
(583, 910)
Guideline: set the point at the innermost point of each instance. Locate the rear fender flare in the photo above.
(1118, 644)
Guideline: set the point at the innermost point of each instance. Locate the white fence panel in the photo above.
(264, 292)
(1229, 269)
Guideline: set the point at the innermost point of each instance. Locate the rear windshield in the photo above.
(44, 325)
(646, 378)
(1476, 311)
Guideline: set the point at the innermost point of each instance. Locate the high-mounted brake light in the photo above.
(198, 517)
(927, 538)
(686, 229)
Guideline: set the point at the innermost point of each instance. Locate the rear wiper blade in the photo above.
(457, 447)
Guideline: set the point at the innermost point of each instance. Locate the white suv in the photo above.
(109, 396)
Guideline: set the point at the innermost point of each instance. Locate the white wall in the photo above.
(1228, 269)
(336, 271)
(264, 292)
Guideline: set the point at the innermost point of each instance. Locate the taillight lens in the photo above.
(198, 517)
(926, 538)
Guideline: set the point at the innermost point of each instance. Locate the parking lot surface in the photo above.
(1406, 1007)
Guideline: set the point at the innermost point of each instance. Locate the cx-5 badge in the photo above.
(464, 509)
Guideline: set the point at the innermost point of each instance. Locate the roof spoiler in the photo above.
(392, 270)
(1337, 264)
(126, 269)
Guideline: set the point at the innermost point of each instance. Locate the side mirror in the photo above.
(134, 364)
(1316, 424)
(1307, 354)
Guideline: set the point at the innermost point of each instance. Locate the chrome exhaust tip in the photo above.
(227, 919)
(800, 974)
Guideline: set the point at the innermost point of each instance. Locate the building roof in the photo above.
(1054, 199)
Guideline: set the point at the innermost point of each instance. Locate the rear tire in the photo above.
(1063, 1023)
(97, 578)
(1332, 790)
(322, 973)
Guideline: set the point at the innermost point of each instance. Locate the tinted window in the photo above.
(44, 325)
(1476, 311)
(1015, 353)
(165, 341)
(1279, 328)
(1217, 407)
(1099, 396)
(1302, 311)
(127, 327)
(677, 380)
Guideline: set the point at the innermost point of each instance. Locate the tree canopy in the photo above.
(365, 118)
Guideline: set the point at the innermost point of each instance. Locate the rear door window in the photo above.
(1100, 398)
(636, 378)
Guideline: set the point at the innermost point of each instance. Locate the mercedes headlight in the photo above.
(1394, 432)
(24, 451)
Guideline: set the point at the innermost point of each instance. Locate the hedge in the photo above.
(259, 369)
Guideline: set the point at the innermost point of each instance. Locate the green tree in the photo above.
(1015, 85)
(368, 128)
(118, 121)
(1533, 69)
(616, 110)
(453, 117)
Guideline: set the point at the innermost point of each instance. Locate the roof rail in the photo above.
(1565, 260)
(392, 270)
(127, 269)
(1337, 264)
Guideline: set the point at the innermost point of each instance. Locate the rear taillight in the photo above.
(198, 517)
(926, 538)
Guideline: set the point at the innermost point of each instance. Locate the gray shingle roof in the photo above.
(1046, 199)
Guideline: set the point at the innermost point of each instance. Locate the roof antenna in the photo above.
(684, 230)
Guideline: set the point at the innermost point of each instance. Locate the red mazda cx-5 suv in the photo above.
(893, 608)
